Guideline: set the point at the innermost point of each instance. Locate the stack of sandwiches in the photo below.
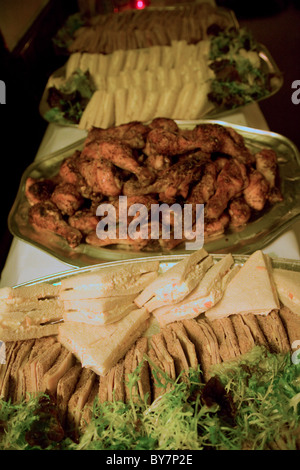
(29, 312)
(101, 320)
(221, 289)
(90, 336)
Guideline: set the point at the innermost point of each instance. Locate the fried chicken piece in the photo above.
(162, 141)
(68, 170)
(164, 123)
(158, 162)
(231, 181)
(95, 201)
(69, 173)
(45, 215)
(132, 133)
(217, 138)
(136, 245)
(120, 155)
(217, 226)
(205, 189)
(256, 193)
(172, 182)
(209, 138)
(275, 195)
(38, 190)
(162, 162)
(239, 212)
(196, 155)
(100, 175)
(266, 164)
(67, 198)
(84, 220)
(220, 162)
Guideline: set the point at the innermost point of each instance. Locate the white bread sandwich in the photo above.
(288, 288)
(101, 311)
(208, 292)
(176, 283)
(101, 347)
(28, 312)
(28, 295)
(251, 290)
(117, 281)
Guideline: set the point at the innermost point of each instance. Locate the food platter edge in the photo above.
(165, 262)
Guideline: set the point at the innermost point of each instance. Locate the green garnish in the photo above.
(15, 420)
(241, 76)
(55, 115)
(257, 407)
(231, 41)
(65, 35)
(68, 102)
(234, 94)
(80, 82)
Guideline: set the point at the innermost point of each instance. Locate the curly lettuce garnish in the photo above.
(241, 76)
(251, 403)
(68, 102)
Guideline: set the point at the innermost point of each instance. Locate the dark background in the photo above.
(25, 70)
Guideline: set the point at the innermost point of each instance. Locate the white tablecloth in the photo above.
(25, 262)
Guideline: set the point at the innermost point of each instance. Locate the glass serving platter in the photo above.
(255, 235)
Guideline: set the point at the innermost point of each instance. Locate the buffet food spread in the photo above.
(160, 347)
(182, 80)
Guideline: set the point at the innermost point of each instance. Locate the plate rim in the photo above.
(276, 262)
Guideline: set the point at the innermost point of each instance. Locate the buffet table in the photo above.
(26, 262)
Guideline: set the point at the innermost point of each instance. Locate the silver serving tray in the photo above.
(165, 263)
(272, 67)
(255, 235)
